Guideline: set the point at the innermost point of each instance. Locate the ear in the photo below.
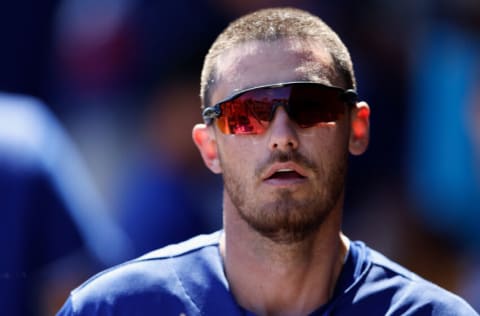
(204, 138)
(359, 129)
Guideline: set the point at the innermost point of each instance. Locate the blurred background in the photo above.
(97, 165)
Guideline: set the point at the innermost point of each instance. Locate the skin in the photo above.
(283, 248)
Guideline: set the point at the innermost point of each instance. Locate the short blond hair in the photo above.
(273, 24)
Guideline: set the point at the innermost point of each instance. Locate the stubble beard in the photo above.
(286, 219)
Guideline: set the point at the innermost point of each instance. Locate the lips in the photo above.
(285, 171)
(285, 174)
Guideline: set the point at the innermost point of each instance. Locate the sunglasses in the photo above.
(250, 111)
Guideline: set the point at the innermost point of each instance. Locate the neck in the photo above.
(269, 278)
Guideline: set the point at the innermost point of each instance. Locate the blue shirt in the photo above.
(188, 279)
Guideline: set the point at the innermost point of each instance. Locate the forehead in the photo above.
(255, 63)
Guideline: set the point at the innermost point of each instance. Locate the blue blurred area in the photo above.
(444, 169)
(123, 78)
(50, 211)
(165, 194)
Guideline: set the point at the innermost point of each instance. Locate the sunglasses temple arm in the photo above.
(210, 113)
(350, 96)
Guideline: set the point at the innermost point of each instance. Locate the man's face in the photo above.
(283, 182)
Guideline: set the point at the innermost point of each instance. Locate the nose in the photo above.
(282, 132)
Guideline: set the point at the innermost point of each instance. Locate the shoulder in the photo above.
(182, 249)
(403, 291)
(151, 281)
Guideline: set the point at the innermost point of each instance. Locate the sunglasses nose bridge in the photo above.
(276, 105)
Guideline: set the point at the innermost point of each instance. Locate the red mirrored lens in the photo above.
(307, 104)
(250, 112)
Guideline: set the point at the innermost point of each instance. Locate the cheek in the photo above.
(329, 151)
(327, 140)
(331, 155)
(238, 155)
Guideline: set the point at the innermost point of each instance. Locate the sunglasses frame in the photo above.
(348, 96)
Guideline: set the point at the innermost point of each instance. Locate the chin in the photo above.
(288, 220)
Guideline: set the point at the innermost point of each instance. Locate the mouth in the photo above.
(285, 174)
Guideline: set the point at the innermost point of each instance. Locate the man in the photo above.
(281, 116)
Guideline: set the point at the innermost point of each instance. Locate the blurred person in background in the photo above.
(281, 115)
(443, 169)
(442, 155)
(55, 229)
